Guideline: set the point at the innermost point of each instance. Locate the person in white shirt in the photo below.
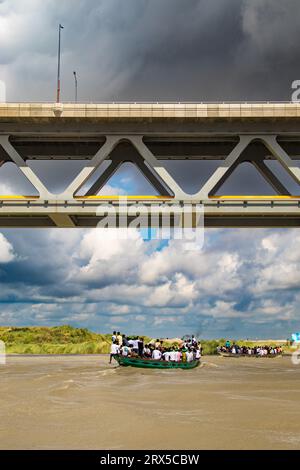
(156, 354)
(125, 350)
(166, 355)
(146, 351)
(134, 344)
(197, 354)
(189, 356)
(114, 351)
(172, 355)
(178, 356)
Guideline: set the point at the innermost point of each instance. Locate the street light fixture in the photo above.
(76, 86)
(60, 27)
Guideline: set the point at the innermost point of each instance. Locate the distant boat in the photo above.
(228, 354)
(155, 364)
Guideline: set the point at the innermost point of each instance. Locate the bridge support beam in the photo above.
(148, 143)
(62, 220)
(225, 169)
(103, 178)
(270, 177)
(158, 167)
(282, 156)
(90, 168)
(21, 164)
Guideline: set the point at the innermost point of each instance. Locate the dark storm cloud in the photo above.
(151, 49)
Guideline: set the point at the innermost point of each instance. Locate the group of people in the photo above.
(121, 345)
(246, 350)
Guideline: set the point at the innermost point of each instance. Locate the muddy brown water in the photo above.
(80, 402)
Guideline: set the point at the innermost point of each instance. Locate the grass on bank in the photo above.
(68, 340)
(53, 340)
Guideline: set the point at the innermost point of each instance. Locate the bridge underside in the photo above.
(90, 220)
(150, 138)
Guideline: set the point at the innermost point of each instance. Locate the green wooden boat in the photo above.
(154, 364)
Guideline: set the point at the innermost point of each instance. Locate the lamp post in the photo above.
(58, 64)
(76, 86)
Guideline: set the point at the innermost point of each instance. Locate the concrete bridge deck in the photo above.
(151, 110)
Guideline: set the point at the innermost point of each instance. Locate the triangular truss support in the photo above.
(28, 172)
(155, 171)
(230, 163)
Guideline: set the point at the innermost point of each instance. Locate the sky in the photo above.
(242, 283)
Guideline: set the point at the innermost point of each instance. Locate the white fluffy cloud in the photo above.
(6, 250)
(5, 189)
(94, 277)
(278, 257)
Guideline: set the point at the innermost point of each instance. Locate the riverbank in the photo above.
(68, 340)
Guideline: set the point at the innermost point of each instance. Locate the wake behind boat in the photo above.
(155, 364)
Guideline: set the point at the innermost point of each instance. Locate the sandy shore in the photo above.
(80, 402)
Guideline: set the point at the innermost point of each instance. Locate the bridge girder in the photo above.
(148, 141)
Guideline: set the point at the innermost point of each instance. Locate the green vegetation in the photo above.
(210, 346)
(55, 340)
(68, 340)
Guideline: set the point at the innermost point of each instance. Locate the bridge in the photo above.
(150, 135)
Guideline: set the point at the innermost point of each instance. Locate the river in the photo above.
(80, 402)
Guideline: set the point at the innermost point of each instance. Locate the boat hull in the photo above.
(154, 364)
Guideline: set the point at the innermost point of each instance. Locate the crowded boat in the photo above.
(187, 351)
(257, 351)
